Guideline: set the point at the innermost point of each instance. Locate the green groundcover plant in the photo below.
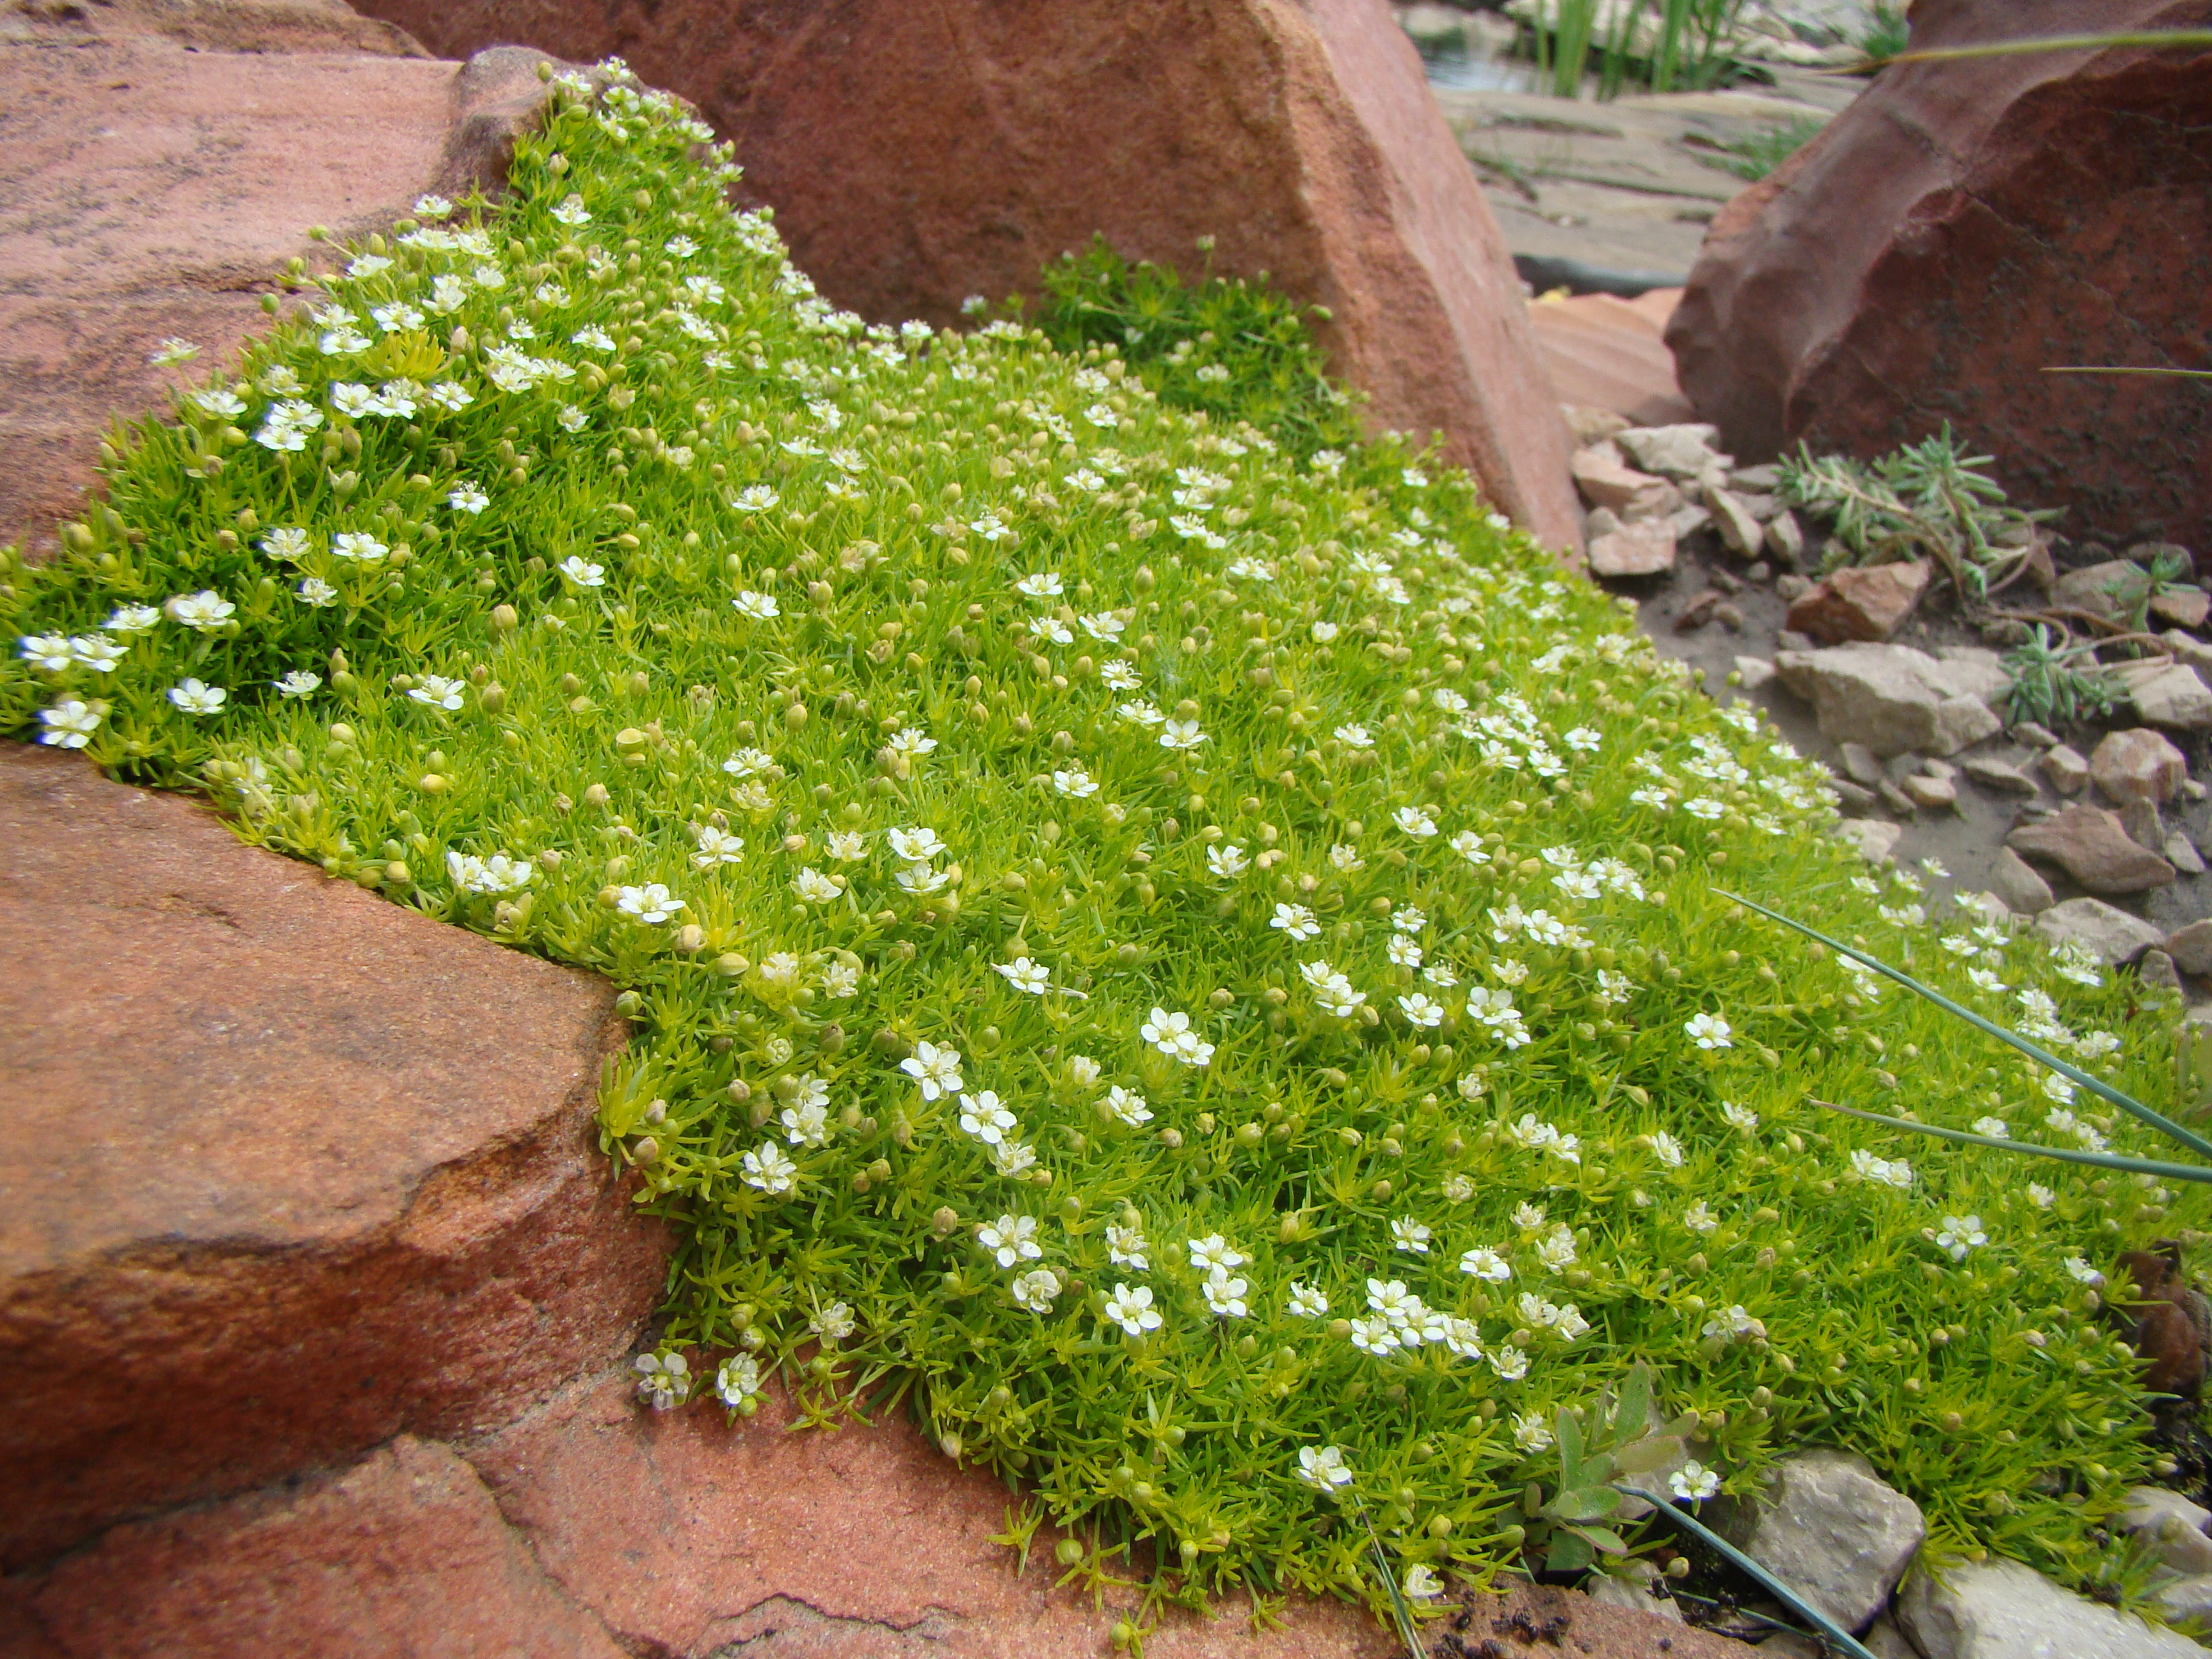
(1196, 967)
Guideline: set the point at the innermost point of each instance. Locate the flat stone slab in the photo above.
(285, 1169)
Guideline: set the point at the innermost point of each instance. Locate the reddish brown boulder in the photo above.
(1603, 352)
(591, 1529)
(917, 154)
(403, 1554)
(1963, 226)
(1860, 602)
(164, 161)
(284, 1168)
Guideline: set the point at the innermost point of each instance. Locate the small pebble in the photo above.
(1758, 572)
(1729, 616)
(2041, 736)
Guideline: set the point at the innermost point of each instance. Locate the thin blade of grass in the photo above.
(1833, 1634)
(2065, 1155)
(2136, 1108)
(1404, 1614)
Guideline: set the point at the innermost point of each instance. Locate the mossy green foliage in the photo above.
(1233, 350)
(1318, 880)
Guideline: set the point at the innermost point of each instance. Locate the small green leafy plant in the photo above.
(2049, 684)
(1759, 155)
(1927, 500)
(1227, 348)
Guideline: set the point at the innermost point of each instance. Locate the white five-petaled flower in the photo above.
(1693, 1481)
(1421, 1009)
(651, 904)
(1297, 920)
(204, 611)
(1132, 1309)
(466, 497)
(1181, 734)
(1214, 1253)
(937, 1070)
(1225, 1296)
(1126, 1246)
(813, 887)
(1024, 974)
(1485, 1265)
(1961, 1234)
(1172, 1035)
(768, 1170)
(1127, 1106)
(437, 691)
(1708, 1031)
(69, 724)
(985, 1116)
(1227, 861)
(1036, 1289)
(760, 607)
(1323, 1468)
(1010, 1240)
(1411, 1235)
(195, 698)
(736, 1380)
(664, 1381)
(359, 546)
(716, 846)
(1306, 1301)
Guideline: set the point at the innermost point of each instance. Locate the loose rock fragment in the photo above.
(2137, 765)
(1860, 602)
(2103, 931)
(2091, 845)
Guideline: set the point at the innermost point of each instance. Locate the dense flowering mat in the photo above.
(1196, 963)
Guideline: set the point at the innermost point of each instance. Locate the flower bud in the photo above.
(944, 1221)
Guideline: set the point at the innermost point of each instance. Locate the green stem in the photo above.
(2064, 1154)
(2136, 1108)
(1831, 1632)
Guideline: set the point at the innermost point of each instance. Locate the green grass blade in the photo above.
(2136, 1108)
(1398, 1608)
(1834, 1635)
(2065, 1155)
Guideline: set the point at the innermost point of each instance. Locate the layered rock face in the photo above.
(285, 1168)
(916, 156)
(1964, 227)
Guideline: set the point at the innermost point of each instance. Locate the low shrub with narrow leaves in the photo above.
(1194, 962)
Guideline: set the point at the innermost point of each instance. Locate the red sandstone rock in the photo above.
(591, 1528)
(1963, 226)
(284, 1168)
(164, 161)
(403, 1554)
(917, 154)
(1603, 352)
(1860, 602)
